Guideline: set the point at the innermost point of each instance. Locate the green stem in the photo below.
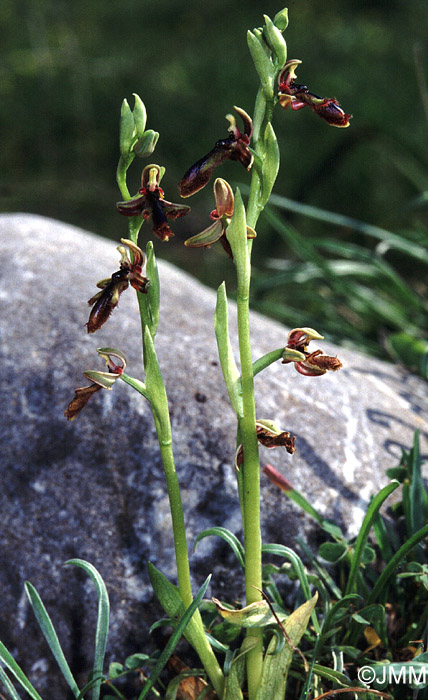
(251, 476)
(159, 404)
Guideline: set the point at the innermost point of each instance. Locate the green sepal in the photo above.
(145, 145)
(262, 63)
(140, 115)
(276, 41)
(104, 379)
(270, 165)
(236, 234)
(281, 19)
(225, 351)
(276, 666)
(127, 129)
(256, 614)
(207, 237)
(153, 294)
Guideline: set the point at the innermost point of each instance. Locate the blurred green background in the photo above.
(66, 66)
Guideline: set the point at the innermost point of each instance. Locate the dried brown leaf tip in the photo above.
(295, 95)
(314, 363)
(116, 363)
(269, 435)
(151, 203)
(234, 147)
(277, 478)
(221, 215)
(129, 273)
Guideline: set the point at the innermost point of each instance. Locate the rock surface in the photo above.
(94, 488)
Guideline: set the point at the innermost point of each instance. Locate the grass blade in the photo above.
(102, 621)
(228, 537)
(364, 534)
(4, 678)
(45, 624)
(282, 551)
(17, 671)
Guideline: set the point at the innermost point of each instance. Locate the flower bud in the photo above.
(127, 129)
(145, 145)
(276, 41)
(140, 116)
(281, 19)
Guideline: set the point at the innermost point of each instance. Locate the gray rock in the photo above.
(94, 488)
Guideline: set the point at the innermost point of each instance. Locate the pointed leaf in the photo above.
(262, 63)
(102, 621)
(270, 164)
(170, 599)
(225, 351)
(50, 635)
(154, 382)
(275, 667)
(153, 295)
(236, 234)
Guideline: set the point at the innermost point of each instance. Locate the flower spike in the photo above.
(151, 204)
(292, 94)
(222, 216)
(315, 363)
(234, 147)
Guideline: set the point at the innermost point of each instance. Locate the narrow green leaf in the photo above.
(170, 599)
(391, 239)
(153, 295)
(184, 620)
(270, 164)
(8, 684)
(262, 63)
(225, 351)
(140, 115)
(228, 537)
(287, 553)
(17, 671)
(50, 635)
(154, 382)
(127, 129)
(102, 620)
(235, 678)
(361, 542)
(388, 571)
(275, 666)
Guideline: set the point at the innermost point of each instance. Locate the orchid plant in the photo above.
(234, 225)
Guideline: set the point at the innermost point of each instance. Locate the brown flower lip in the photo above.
(296, 95)
(234, 147)
(315, 363)
(152, 204)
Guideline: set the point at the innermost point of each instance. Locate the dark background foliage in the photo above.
(67, 66)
